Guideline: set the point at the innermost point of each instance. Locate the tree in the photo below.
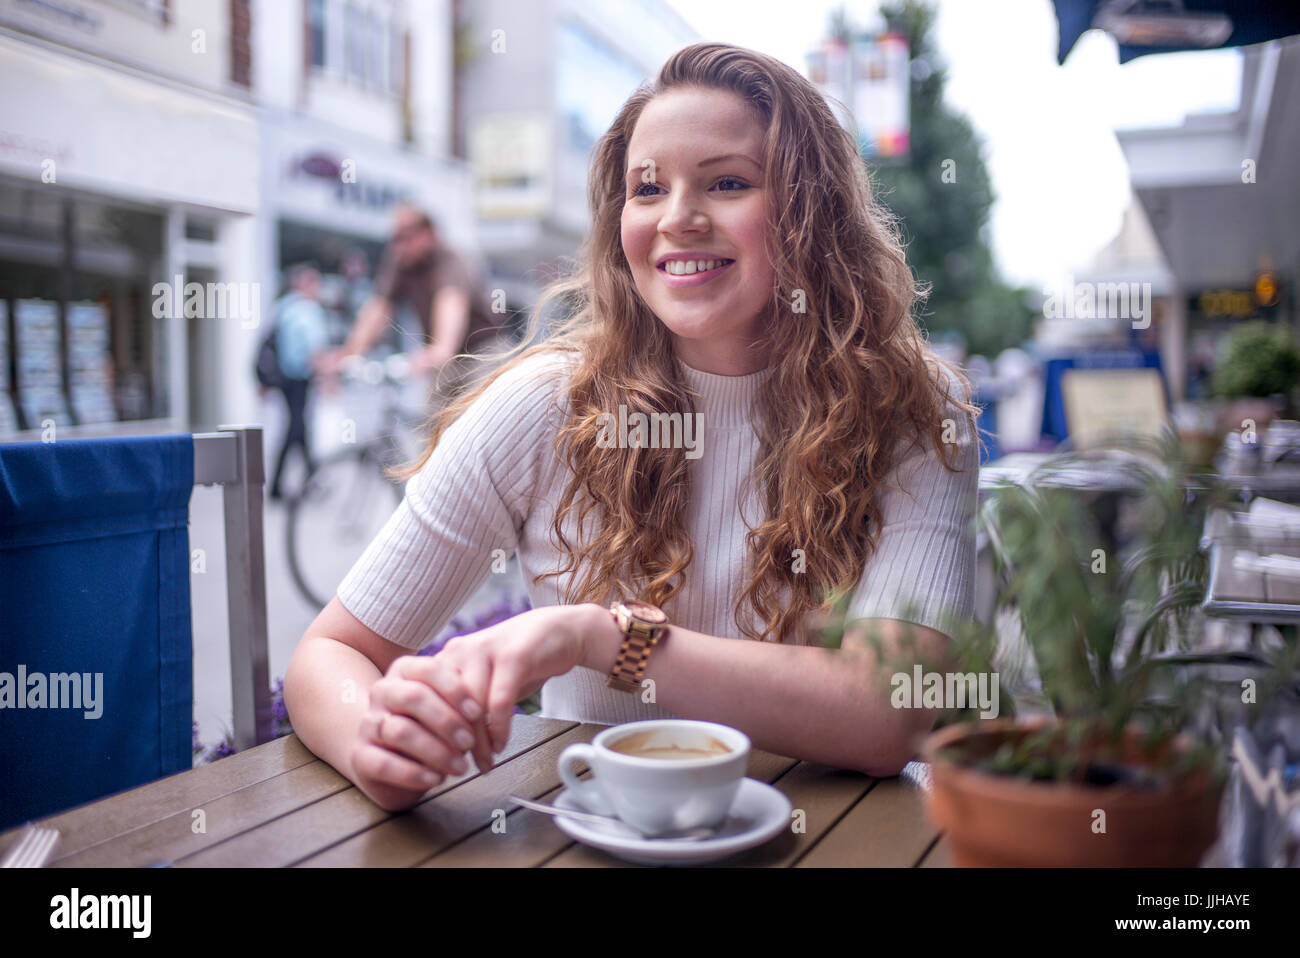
(942, 195)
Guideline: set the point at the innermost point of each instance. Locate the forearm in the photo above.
(826, 706)
(369, 326)
(326, 691)
(450, 322)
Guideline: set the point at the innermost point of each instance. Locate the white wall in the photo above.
(118, 134)
(112, 31)
(431, 80)
(277, 42)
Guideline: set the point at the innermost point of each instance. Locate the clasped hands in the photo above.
(428, 713)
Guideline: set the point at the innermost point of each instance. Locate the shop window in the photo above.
(396, 59)
(592, 82)
(316, 34)
(361, 42)
(354, 35)
(376, 54)
(201, 229)
(78, 341)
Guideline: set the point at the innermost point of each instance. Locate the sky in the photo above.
(1056, 167)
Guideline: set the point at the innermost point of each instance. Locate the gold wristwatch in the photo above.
(643, 626)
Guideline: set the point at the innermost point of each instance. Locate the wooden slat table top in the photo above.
(278, 805)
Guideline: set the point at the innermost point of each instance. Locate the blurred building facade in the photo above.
(128, 157)
(163, 163)
(147, 146)
(1219, 193)
(355, 102)
(537, 84)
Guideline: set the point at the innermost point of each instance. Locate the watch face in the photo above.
(647, 612)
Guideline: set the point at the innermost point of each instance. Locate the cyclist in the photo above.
(419, 269)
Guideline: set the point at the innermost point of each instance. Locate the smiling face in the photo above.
(694, 236)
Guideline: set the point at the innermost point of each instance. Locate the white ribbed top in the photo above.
(493, 482)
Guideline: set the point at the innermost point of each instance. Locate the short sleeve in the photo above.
(923, 567)
(470, 499)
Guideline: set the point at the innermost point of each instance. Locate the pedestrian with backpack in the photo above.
(287, 358)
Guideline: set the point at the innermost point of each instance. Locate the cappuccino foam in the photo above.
(655, 744)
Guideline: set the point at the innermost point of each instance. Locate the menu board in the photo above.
(90, 365)
(39, 386)
(8, 420)
(1101, 404)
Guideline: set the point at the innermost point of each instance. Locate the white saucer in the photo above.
(759, 813)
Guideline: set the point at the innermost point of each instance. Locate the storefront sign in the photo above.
(872, 76)
(510, 156)
(1230, 303)
(1267, 289)
(348, 187)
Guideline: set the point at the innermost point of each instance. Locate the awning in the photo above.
(1247, 22)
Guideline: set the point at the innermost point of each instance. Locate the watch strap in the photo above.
(639, 639)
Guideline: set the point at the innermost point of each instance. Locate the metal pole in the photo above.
(246, 591)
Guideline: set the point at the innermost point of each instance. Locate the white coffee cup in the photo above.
(660, 794)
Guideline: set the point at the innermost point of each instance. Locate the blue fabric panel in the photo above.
(94, 580)
(987, 427)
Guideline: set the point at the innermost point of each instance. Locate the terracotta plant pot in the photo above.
(995, 820)
(1260, 411)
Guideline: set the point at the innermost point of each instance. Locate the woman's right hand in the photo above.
(399, 751)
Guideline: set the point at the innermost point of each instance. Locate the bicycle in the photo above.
(347, 499)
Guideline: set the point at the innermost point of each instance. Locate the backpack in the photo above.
(269, 373)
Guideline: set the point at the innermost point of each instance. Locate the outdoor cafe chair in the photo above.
(96, 657)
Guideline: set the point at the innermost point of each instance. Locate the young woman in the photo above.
(740, 275)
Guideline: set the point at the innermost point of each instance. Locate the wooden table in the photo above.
(278, 805)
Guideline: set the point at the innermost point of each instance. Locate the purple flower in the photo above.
(506, 607)
(280, 724)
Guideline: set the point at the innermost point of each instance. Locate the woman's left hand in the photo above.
(507, 662)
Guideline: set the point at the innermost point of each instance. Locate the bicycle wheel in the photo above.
(343, 506)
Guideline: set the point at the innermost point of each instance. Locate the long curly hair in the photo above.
(852, 378)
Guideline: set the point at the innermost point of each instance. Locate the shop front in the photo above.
(113, 186)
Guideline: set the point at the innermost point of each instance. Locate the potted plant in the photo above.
(1258, 374)
(1102, 766)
